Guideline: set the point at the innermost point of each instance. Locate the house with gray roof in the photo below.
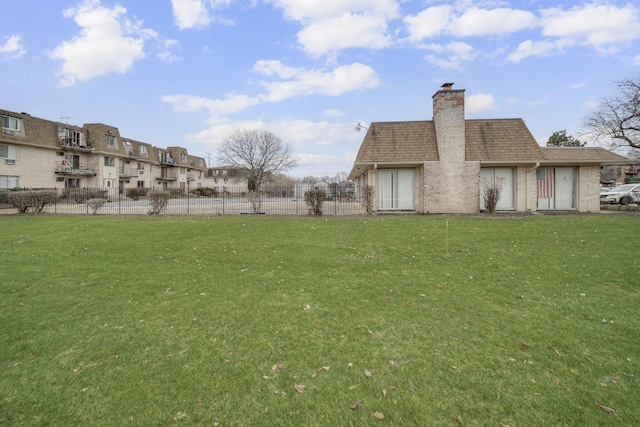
(445, 164)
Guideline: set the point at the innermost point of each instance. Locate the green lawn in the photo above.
(252, 321)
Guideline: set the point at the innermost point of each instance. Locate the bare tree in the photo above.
(618, 116)
(258, 153)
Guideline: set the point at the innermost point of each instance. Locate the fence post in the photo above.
(223, 193)
(119, 204)
(188, 202)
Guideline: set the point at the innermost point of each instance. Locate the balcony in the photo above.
(73, 144)
(167, 161)
(127, 172)
(165, 178)
(67, 168)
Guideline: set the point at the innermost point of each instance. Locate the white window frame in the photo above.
(111, 140)
(8, 120)
(9, 181)
(13, 153)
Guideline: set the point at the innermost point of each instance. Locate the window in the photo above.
(140, 184)
(111, 140)
(9, 152)
(11, 123)
(199, 162)
(184, 157)
(72, 183)
(72, 137)
(225, 172)
(504, 178)
(183, 171)
(71, 161)
(395, 189)
(140, 166)
(7, 181)
(109, 161)
(143, 150)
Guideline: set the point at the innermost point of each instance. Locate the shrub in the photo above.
(96, 204)
(491, 194)
(255, 199)
(367, 198)
(35, 200)
(205, 191)
(133, 193)
(158, 201)
(314, 199)
(80, 195)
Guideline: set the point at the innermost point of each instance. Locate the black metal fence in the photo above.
(339, 201)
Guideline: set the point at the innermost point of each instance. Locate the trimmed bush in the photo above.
(34, 200)
(96, 204)
(133, 193)
(158, 201)
(81, 195)
(314, 199)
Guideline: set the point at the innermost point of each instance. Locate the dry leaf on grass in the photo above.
(457, 419)
(355, 406)
(367, 373)
(299, 388)
(605, 408)
(277, 367)
(378, 415)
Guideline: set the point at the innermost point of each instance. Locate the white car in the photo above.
(622, 194)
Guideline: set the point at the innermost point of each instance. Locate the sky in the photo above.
(189, 72)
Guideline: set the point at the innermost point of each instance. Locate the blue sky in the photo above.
(188, 72)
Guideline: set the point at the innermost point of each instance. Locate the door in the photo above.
(503, 178)
(556, 188)
(395, 189)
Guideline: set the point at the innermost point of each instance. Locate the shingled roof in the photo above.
(580, 155)
(497, 141)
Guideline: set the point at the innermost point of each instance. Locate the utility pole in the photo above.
(208, 159)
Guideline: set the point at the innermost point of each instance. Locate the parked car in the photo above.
(622, 194)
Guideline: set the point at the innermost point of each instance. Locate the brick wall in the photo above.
(451, 185)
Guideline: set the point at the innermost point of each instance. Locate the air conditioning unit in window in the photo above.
(10, 161)
(9, 132)
(141, 172)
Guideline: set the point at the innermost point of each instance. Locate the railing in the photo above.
(201, 201)
(66, 167)
(127, 172)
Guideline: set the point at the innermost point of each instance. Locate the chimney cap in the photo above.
(447, 86)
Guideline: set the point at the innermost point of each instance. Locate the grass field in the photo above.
(255, 321)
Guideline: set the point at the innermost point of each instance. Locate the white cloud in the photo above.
(12, 47)
(578, 85)
(602, 27)
(456, 53)
(190, 14)
(479, 102)
(446, 20)
(483, 22)
(346, 31)
(333, 25)
(532, 48)
(636, 60)
(332, 112)
(108, 43)
(309, 11)
(429, 23)
(294, 82)
(302, 81)
(231, 104)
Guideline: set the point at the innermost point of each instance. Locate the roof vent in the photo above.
(447, 86)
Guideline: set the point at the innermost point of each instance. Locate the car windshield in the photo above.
(622, 188)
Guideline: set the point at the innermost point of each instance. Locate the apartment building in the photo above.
(40, 153)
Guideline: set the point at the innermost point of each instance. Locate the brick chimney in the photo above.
(448, 118)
